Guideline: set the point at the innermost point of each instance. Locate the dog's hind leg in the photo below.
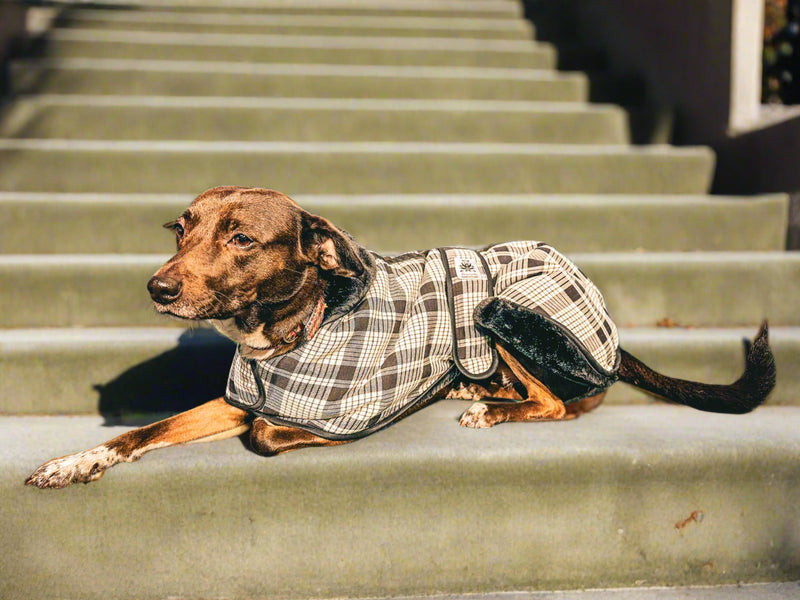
(211, 421)
(269, 439)
(540, 405)
(586, 404)
(468, 391)
(501, 385)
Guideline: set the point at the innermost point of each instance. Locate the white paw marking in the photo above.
(476, 416)
(81, 467)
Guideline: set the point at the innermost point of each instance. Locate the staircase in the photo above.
(410, 124)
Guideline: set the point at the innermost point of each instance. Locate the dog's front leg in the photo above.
(210, 421)
(268, 439)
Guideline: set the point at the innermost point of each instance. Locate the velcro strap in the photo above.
(468, 281)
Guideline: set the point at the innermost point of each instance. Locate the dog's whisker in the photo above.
(219, 296)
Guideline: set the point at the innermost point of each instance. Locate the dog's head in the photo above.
(253, 263)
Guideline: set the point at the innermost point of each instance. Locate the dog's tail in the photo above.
(742, 396)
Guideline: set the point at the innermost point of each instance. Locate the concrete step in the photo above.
(311, 119)
(123, 373)
(697, 289)
(486, 9)
(624, 496)
(437, 25)
(351, 167)
(132, 222)
(221, 78)
(702, 289)
(118, 373)
(282, 48)
(740, 591)
(710, 356)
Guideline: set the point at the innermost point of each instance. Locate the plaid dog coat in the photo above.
(415, 330)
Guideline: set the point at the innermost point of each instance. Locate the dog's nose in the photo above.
(164, 290)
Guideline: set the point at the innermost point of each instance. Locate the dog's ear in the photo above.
(330, 248)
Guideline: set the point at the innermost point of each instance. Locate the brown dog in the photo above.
(268, 274)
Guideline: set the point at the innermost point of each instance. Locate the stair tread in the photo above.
(705, 351)
(304, 103)
(688, 259)
(305, 70)
(157, 369)
(488, 8)
(283, 147)
(350, 24)
(329, 42)
(744, 591)
(299, 49)
(622, 433)
(693, 288)
(167, 359)
(216, 78)
(354, 167)
(635, 473)
(311, 119)
(29, 338)
(391, 201)
(401, 222)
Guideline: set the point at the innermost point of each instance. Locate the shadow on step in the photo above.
(193, 372)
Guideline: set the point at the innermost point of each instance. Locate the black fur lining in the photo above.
(545, 349)
(343, 294)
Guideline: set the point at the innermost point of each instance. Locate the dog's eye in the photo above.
(176, 227)
(241, 240)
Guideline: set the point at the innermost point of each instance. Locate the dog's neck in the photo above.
(260, 344)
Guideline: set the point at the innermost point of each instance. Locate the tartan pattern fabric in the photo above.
(364, 368)
(395, 348)
(542, 279)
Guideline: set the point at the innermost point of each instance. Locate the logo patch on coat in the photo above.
(467, 267)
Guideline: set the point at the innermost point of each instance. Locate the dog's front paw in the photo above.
(81, 467)
(476, 416)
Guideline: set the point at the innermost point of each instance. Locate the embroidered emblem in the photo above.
(467, 267)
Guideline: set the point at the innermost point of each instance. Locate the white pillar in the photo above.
(746, 49)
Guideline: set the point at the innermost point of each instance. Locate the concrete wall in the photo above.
(696, 69)
(762, 160)
(681, 48)
(12, 31)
